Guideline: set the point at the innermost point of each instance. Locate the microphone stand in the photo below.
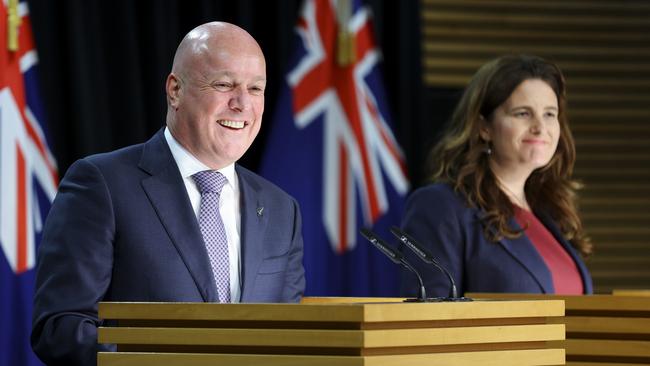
(397, 258)
(427, 257)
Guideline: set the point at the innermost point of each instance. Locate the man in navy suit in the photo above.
(124, 226)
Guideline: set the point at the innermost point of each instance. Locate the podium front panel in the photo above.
(601, 330)
(334, 333)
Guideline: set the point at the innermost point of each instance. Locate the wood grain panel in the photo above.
(600, 329)
(492, 358)
(333, 338)
(386, 333)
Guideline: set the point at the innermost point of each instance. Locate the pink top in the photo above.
(566, 277)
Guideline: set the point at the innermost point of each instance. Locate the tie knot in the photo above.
(209, 181)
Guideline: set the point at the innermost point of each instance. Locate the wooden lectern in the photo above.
(323, 331)
(631, 292)
(601, 330)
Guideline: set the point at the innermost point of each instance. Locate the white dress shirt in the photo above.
(228, 205)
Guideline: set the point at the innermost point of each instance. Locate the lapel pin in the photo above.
(260, 211)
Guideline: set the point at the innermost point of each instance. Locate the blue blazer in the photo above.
(122, 228)
(439, 219)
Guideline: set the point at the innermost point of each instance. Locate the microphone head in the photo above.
(412, 244)
(396, 231)
(367, 233)
(392, 254)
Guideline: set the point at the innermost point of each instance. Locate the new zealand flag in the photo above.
(331, 147)
(28, 181)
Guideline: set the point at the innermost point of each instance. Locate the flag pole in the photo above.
(13, 23)
(346, 52)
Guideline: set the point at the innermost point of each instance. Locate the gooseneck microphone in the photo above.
(395, 256)
(427, 257)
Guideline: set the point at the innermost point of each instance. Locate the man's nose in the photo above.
(239, 99)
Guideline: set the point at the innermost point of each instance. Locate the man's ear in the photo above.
(173, 89)
(483, 129)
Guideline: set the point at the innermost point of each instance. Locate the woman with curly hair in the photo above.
(501, 212)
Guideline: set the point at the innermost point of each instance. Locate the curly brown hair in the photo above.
(460, 158)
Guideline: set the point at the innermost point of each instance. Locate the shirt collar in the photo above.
(188, 164)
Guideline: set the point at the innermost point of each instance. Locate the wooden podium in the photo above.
(600, 329)
(631, 292)
(322, 331)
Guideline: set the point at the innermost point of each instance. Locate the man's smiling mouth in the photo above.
(232, 124)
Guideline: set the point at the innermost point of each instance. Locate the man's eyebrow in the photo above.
(229, 74)
(223, 73)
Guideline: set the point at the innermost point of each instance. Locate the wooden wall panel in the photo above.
(603, 47)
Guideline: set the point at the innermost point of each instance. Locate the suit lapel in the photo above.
(166, 191)
(524, 252)
(254, 218)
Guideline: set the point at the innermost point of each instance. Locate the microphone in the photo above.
(395, 256)
(427, 257)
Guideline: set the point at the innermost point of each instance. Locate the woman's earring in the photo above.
(488, 149)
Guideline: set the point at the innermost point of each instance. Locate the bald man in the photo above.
(130, 225)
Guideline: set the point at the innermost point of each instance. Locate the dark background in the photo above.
(103, 65)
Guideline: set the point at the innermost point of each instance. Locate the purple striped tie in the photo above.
(210, 183)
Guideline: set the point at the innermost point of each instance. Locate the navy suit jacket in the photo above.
(122, 228)
(440, 219)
